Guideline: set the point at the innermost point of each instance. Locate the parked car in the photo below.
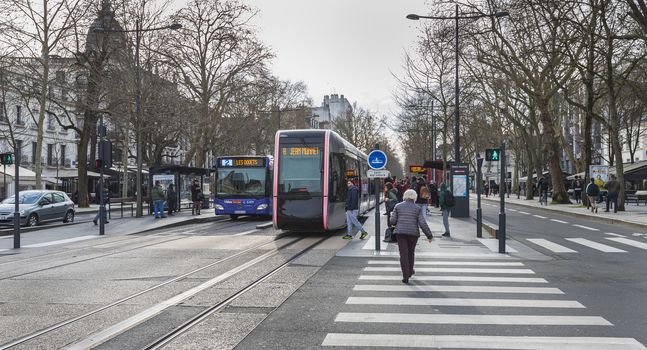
(38, 206)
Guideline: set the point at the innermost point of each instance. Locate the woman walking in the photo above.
(408, 219)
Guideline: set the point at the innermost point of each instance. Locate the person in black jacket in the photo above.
(352, 208)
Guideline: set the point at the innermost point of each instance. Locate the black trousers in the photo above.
(407, 246)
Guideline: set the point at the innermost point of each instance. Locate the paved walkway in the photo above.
(633, 214)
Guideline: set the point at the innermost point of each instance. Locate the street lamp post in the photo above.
(456, 17)
(138, 97)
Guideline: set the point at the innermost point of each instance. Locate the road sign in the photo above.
(378, 174)
(377, 159)
(492, 154)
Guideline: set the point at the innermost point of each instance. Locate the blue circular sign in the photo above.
(377, 160)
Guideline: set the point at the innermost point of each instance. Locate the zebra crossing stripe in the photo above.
(493, 245)
(447, 263)
(613, 234)
(479, 342)
(559, 304)
(455, 289)
(454, 270)
(595, 245)
(630, 242)
(554, 247)
(449, 255)
(455, 278)
(586, 227)
(543, 320)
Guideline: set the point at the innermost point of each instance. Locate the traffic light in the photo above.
(492, 154)
(6, 158)
(97, 163)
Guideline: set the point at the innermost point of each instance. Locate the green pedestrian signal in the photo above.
(6, 158)
(492, 154)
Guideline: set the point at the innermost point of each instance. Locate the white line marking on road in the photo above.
(586, 227)
(597, 246)
(455, 289)
(523, 212)
(479, 342)
(630, 242)
(493, 245)
(554, 247)
(3, 250)
(246, 232)
(455, 278)
(513, 210)
(560, 221)
(613, 234)
(551, 320)
(540, 217)
(559, 304)
(449, 255)
(447, 263)
(62, 241)
(454, 270)
(100, 337)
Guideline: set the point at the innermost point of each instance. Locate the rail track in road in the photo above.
(24, 340)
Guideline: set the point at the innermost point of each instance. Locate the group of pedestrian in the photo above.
(406, 205)
(163, 197)
(593, 192)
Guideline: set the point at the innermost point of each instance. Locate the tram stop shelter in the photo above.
(182, 177)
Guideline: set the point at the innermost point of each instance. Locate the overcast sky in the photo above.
(347, 47)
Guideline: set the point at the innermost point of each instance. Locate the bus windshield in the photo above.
(300, 170)
(241, 182)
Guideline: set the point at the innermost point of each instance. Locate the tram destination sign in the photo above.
(235, 162)
(378, 174)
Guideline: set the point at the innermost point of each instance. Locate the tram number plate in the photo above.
(240, 212)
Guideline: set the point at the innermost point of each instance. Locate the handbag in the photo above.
(390, 205)
(389, 235)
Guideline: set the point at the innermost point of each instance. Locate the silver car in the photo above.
(38, 206)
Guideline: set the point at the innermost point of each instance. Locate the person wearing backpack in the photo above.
(446, 201)
(423, 196)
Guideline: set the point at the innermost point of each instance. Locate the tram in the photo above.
(311, 170)
(244, 186)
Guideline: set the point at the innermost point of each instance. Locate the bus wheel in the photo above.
(234, 217)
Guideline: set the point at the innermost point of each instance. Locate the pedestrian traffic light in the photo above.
(97, 163)
(492, 154)
(6, 158)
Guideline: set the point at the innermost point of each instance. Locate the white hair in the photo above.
(410, 194)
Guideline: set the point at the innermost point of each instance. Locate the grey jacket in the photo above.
(408, 220)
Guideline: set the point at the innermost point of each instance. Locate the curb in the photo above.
(489, 227)
(9, 230)
(578, 215)
(183, 223)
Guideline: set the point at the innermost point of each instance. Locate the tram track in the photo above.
(209, 311)
(47, 330)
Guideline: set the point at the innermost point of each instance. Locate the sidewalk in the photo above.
(635, 215)
(125, 226)
(462, 244)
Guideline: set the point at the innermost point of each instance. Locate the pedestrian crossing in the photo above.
(607, 243)
(453, 303)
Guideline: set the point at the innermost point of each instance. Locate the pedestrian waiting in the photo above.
(157, 195)
(408, 219)
(613, 190)
(592, 192)
(446, 201)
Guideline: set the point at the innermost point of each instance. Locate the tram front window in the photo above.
(300, 170)
(241, 183)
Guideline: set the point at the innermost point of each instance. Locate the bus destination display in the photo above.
(300, 151)
(242, 162)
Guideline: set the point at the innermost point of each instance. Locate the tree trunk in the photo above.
(552, 150)
(124, 161)
(42, 100)
(614, 136)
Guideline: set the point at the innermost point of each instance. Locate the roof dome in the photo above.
(105, 21)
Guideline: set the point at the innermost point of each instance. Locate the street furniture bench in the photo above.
(637, 197)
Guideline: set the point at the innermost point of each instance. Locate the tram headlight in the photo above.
(261, 207)
(219, 207)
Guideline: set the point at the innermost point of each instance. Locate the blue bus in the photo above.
(244, 186)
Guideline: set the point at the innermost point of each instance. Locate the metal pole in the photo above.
(457, 137)
(433, 141)
(479, 185)
(102, 204)
(138, 97)
(4, 179)
(502, 209)
(377, 210)
(16, 212)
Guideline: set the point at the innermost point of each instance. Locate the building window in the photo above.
(62, 158)
(19, 120)
(50, 155)
(60, 77)
(64, 94)
(50, 121)
(50, 92)
(2, 107)
(34, 145)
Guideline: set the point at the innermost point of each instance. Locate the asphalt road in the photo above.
(604, 272)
